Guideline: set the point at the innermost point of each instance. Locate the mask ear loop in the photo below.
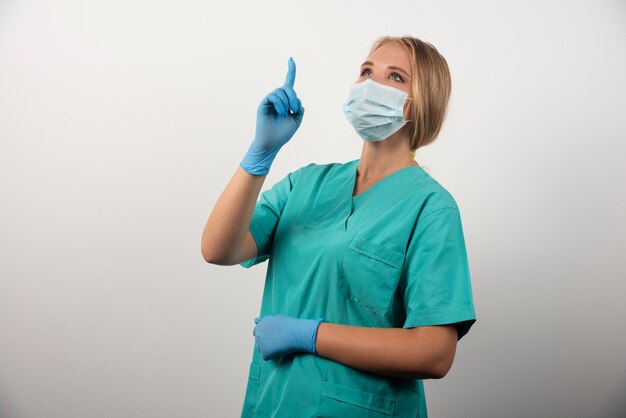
(413, 152)
(403, 120)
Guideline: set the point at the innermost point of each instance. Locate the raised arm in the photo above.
(226, 239)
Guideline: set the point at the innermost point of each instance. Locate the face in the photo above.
(389, 65)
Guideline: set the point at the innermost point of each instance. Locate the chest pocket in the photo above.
(370, 273)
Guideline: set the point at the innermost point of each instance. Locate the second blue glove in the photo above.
(278, 335)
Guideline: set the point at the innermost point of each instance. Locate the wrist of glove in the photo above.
(258, 160)
(279, 335)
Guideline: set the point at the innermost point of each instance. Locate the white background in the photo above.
(122, 121)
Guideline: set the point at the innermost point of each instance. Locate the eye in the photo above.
(396, 77)
(366, 72)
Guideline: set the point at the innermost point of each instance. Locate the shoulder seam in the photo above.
(437, 210)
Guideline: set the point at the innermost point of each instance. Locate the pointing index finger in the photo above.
(291, 73)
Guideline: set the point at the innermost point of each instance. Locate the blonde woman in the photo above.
(367, 289)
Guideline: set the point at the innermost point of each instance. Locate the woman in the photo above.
(367, 289)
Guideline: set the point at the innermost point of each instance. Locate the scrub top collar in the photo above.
(382, 193)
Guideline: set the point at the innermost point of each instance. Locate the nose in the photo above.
(379, 79)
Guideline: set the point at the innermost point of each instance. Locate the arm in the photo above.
(226, 239)
(416, 353)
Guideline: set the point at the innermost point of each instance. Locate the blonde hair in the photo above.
(431, 86)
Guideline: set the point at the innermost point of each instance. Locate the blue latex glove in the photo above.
(278, 118)
(277, 335)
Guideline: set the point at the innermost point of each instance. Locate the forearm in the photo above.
(229, 220)
(397, 352)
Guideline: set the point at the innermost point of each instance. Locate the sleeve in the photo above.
(266, 215)
(436, 279)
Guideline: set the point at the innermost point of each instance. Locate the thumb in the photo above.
(297, 116)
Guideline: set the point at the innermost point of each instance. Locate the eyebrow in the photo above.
(391, 67)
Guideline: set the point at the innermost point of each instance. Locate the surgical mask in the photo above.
(375, 110)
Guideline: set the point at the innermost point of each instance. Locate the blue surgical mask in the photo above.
(375, 110)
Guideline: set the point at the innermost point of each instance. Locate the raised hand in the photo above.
(279, 116)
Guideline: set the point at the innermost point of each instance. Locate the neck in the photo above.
(378, 159)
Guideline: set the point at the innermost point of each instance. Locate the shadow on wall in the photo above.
(5, 410)
(616, 405)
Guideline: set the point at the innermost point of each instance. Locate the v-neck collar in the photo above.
(397, 181)
(354, 169)
(334, 204)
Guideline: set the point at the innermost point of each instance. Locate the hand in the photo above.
(277, 335)
(278, 118)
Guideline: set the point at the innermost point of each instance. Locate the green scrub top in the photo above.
(392, 256)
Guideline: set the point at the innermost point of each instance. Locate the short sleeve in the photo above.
(435, 278)
(266, 215)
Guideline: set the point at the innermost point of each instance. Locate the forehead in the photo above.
(391, 53)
